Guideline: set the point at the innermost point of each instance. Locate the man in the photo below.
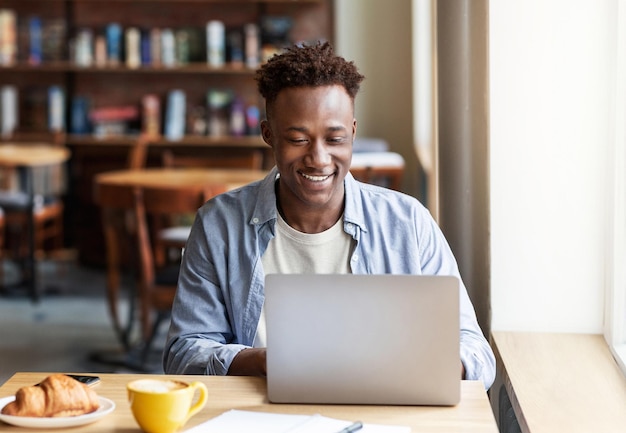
(309, 215)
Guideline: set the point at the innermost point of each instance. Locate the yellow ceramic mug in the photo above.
(164, 406)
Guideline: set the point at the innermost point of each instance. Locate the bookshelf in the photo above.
(91, 83)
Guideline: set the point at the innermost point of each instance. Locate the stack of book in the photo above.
(113, 120)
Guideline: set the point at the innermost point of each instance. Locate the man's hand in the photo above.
(249, 362)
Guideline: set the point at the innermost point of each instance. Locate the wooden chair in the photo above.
(174, 237)
(158, 286)
(118, 223)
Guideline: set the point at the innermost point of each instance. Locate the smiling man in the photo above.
(309, 215)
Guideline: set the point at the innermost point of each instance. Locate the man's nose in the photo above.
(318, 154)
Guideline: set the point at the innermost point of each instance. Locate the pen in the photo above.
(352, 428)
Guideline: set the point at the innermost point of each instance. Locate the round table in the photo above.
(114, 192)
(220, 179)
(28, 157)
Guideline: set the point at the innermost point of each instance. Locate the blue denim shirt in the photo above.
(220, 289)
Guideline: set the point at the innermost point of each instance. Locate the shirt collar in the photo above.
(265, 207)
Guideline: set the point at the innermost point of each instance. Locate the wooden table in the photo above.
(472, 415)
(560, 382)
(28, 157)
(113, 191)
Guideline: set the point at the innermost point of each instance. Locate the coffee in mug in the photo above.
(164, 406)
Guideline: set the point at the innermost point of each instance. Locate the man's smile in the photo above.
(315, 178)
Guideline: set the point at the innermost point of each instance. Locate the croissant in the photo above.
(56, 396)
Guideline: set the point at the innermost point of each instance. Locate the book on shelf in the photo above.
(53, 46)
(8, 37)
(155, 47)
(237, 118)
(35, 52)
(9, 110)
(175, 115)
(83, 47)
(253, 120)
(215, 43)
(145, 48)
(151, 115)
(133, 47)
(56, 109)
(168, 48)
(113, 33)
(252, 45)
(235, 50)
(181, 47)
(79, 115)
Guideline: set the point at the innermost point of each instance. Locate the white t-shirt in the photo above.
(294, 252)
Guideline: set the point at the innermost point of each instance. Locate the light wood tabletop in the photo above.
(32, 155)
(472, 415)
(179, 177)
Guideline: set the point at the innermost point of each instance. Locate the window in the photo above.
(615, 323)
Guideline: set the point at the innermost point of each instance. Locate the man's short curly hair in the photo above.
(307, 66)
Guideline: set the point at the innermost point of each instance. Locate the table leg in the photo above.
(31, 273)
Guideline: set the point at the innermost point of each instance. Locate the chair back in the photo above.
(152, 205)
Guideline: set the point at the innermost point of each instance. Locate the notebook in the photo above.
(363, 339)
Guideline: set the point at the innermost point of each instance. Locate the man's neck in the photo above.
(309, 220)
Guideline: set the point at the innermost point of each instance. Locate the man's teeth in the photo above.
(315, 178)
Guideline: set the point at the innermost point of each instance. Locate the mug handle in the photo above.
(202, 399)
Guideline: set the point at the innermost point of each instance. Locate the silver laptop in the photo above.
(363, 339)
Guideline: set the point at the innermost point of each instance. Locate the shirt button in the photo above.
(255, 220)
(349, 226)
(355, 258)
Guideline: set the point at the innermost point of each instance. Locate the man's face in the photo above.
(311, 130)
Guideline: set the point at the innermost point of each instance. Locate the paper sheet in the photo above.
(240, 421)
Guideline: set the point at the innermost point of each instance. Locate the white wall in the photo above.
(551, 75)
(376, 35)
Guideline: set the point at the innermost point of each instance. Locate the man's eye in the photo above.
(297, 140)
(336, 139)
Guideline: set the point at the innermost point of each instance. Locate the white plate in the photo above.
(106, 407)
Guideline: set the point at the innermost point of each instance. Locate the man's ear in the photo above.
(266, 132)
(353, 129)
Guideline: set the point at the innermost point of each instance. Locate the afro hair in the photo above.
(307, 66)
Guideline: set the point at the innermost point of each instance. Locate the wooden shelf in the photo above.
(183, 1)
(191, 68)
(189, 140)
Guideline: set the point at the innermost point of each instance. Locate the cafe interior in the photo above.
(505, 119)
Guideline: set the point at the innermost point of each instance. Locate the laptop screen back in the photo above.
(363, 339)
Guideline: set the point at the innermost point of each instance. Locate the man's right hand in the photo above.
(249, 362)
